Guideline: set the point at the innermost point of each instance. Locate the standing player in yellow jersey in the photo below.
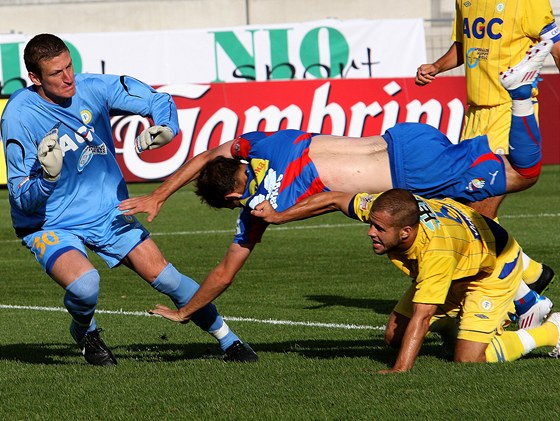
(490, 36)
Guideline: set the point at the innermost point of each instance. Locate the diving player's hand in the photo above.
(265, 211)
(50, 156)
(170, 314)
(152, 138)
(149, 204)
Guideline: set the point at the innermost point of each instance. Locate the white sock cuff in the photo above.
(522, 291)
(527, 340)
(526, 260)
(522, 107)
(221, 332)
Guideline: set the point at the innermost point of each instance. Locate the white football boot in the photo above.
(537, 314)
(527, 70)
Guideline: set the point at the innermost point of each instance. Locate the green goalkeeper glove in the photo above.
(50, 156)
(153, 138)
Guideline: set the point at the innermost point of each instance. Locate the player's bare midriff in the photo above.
(352, 164)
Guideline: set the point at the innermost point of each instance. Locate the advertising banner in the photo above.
(352, 78)
(309, 50)
(215, 113)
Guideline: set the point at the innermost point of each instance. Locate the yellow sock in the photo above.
(511, 346)
(531, 271)
(545, 335)
(505, 347)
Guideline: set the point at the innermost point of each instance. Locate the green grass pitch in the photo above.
(312, 301)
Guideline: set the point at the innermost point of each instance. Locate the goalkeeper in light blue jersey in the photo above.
(65, 187)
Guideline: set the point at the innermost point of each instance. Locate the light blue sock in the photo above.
(80, 300)
(180, 289)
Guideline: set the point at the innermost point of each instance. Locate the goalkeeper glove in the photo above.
(153, 138)
(50, 156)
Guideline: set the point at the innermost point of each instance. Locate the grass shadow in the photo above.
(68, 354)
(378, 306)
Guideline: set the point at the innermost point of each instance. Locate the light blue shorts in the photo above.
(111, 237)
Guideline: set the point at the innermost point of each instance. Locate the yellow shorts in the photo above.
(480, 304)
(493, 122)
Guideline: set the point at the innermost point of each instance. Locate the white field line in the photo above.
(230, 231)
(233, 319)
(291, 227)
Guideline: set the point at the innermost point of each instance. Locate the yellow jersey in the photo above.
(495, 35)
(454, 242)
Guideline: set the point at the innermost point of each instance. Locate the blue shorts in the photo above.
(424, 161)
(111, 237)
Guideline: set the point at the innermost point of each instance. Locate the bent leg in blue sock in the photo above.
(80, 300)
(180, 289)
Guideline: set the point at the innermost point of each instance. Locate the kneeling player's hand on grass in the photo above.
(153, 138)
(392, 371)
(50, 156)
(168, 313)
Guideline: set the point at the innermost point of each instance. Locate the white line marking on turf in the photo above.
(290, 228)
(234, 319)
(232, 230)
(354, 224)
(307, 227)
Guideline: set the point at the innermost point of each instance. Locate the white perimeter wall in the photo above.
(64, 16)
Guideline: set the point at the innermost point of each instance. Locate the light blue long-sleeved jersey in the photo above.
(91, 182)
